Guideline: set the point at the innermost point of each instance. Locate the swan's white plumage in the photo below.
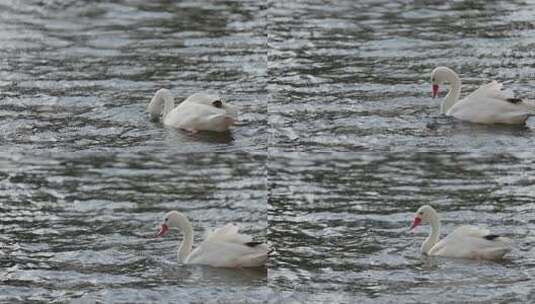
(489, 104)
(228, 250)
(464, 242)
(222, 247)
(469, 242)
(195, 113)
(229, 233)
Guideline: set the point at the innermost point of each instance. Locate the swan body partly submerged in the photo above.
(198, 112)
(223, 247)
(464, 242)
(489, 104)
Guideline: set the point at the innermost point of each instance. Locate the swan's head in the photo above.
(425, 214)
(439, 76)
(172, 219)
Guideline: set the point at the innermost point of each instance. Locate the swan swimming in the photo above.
(198, 112)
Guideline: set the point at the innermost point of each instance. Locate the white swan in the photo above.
(199, 112)
(464, 242)
(223, 247)
(489, 104)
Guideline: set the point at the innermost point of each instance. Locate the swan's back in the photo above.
(207, 99)
(226, 247)
(198, 112)
(198, 117)
(471, 242)
(202, 98)
(490, 104)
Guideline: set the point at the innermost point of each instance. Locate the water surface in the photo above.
(342, 226)
(81, 227)
(355, 75)
(77, 75)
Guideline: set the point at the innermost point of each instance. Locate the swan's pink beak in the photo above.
(163, 230)
(435, 90)
(417, 221)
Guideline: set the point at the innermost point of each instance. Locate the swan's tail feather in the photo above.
(220, 122)
(527, 105)
(496, 89)
(253, 260)
(530, 104)
(494, 253)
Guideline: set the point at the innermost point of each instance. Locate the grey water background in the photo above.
(77, 75)
(355, 75)
(342, 222)
(81, 228)
(85, 178)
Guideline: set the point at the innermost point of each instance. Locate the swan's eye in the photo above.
(433, 79)
(166, 219)
(421, 213)
(217, 104)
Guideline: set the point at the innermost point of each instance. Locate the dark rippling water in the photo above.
(82, 227)
(85, 177)
(342, 226)
(355, 75)
(77, 75)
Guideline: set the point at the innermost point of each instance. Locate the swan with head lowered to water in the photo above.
(198, 112)
(223, 247)
(489, 104)
(464, 242)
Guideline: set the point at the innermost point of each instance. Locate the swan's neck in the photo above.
(187, 243)
(453, 94)
(432, 239)
(161, 104)
(168, 105)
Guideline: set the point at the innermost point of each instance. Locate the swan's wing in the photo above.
(202, 98)
(196, 116)
(226, 247)
(471, 242)
(492, 90)
(491, 104)
(225, 254)
(458, 239)
(206, 99)
(228, 233)
(469, 230)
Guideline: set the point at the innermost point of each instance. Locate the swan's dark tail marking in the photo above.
(253, 244)
(491, 237)
(514, 100)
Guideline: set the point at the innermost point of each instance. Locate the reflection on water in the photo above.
(77, 75)
(83, 226)
(341, 224)
(355, 75)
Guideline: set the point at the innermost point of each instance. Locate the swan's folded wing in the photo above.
(469, 230)
(197, 116)
(202, 98)
(458, 240)
(228, 233)
(491, 90)
(207, 100)
(225, 254)
(471, 242)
